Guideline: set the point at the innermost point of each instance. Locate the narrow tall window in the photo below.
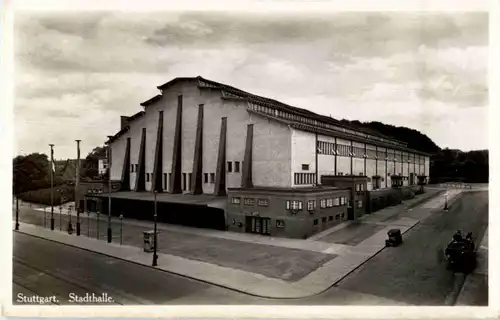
(189, 182)
(212, 178)
(236, 166)
(147, 177)
(229, 166)
(183, 181)
(205, 177)
(164, 181)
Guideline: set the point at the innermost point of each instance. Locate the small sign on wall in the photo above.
(255, 214)
(280, 224)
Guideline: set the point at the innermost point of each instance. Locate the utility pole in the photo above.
(52, 166)
(109, 192)
(155, 256)
(77, 185)
(17, 214)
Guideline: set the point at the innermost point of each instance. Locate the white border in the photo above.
(6, 135)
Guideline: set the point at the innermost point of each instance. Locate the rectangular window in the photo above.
(305, 167)
(311, 204)
(235, 200)
(147, 177)
(249, 201)
(296, 205)
(337, 217)
(329, 202)
(323, 220)
(236, 166)
(263, 202)
(164, 181)
(336, 202)
(229, 166)
(189, 181)
(205, 177)
(131, 168)
(315, 222)
(212, 178)
(322, 203)
(183, 181)
(330, 218)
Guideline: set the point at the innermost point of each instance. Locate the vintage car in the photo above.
(394, 238)
(460, 253)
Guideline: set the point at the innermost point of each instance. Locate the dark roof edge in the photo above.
(151, 101)
(305, 127)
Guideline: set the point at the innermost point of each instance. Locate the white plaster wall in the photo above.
(118, 148)
(303, 151)
(343, 162)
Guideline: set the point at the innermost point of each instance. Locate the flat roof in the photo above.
(201, 199)
(289, 190)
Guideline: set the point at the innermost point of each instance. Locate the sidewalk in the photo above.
(256, 265)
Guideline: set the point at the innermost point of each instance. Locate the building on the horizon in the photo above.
(201, 139)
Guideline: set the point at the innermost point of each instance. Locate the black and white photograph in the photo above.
(196, 157)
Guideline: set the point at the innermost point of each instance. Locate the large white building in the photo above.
(200, 136)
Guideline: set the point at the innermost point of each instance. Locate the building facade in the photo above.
(203, 137)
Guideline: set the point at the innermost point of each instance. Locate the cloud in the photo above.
(76, 73)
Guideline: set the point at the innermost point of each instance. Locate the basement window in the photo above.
(305, 167)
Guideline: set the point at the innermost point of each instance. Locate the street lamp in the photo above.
(70, 225)
(97, 224)
(121, 228)
(446, 201)
(109, 191)
(17, 214)
(155, 256)
(77, 185)
(51, 187)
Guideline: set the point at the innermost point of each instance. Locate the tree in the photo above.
(91, 169)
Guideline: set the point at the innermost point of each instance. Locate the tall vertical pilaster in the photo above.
(220, 174)
(158, 164)
(177, 151)
(246, 177)
(140, 179)
(196, 178)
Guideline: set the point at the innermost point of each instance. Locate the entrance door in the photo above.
(350, 213)
(259, 225)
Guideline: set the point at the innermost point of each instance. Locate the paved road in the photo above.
(271, 261)
(409, 274)
(414, 272)
(45, 268)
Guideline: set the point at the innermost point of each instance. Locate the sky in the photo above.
(77, 72)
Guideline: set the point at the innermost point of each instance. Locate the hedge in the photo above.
(42, 196)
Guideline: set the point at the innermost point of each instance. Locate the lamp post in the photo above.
(109, 192)
(155, 256)
(97, 224)
(51, 187)
(121, 229)
(446, 201)
(60, 209)
(77, 185)
(44, 216)
(17, 214)
(70, 225)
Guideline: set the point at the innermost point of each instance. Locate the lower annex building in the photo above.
(284, 171)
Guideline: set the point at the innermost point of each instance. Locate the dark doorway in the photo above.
(258, 225)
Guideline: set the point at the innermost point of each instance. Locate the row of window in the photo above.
(250, 201)
(329, 148)
(304, 178)
(338, 216)
(282, 114)
(230, 166)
